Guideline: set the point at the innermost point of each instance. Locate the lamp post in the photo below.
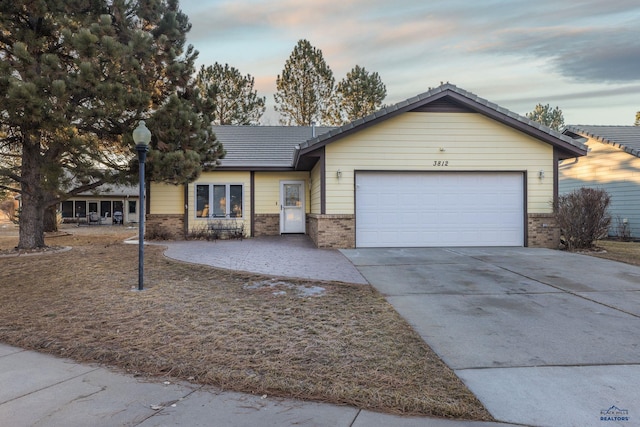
(142, 137)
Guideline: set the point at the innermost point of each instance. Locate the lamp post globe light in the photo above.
(142, 137)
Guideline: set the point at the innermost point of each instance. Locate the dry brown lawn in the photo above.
(628, 252)
(239, 331)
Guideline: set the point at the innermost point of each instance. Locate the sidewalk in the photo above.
(41, 390)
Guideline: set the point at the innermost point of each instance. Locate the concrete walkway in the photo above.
(288, 255)
(41, 390)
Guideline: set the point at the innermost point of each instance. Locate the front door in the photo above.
(292, 210)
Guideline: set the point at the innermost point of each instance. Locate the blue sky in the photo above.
(580, 55)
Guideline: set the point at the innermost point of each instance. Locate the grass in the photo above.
(627, 252)
(239, 331)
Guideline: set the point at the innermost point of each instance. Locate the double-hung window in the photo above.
(219, 201)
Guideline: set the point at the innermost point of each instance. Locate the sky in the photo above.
(580, 55)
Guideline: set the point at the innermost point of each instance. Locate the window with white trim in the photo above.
(219, 200)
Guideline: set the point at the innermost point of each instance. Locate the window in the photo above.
(219, 200)
(105, 208)
(132, 206)
(67, 209)
(81, 208)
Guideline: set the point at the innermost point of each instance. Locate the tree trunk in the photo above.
(32, 212)
(51, 219)
(31, 223)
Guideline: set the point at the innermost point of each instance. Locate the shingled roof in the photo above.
(448, 97)
(626, 138)
(283, 147)
(262, 147)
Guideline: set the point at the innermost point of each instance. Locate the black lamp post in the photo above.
(142, 137)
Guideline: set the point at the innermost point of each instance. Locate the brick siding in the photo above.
(543, 231)
(332, 231)
(266, 225)
(168, 226)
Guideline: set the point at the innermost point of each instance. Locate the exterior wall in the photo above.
(612, 169)
(164, 226)
(221, 177)
(332, 231)
(543, 231)
(267, 191)
(315, 189)
(267, 225)
(166, 199)
(438, 142)
(267, 199)
(165, 219)
(127, 217)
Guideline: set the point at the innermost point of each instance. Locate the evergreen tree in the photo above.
(75, 78)
(547, 116)
(183, 143)
(234, 100)
(305, 89)
(361, 93)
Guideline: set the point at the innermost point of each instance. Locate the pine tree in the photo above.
(234, 100)
(75, 78)
(305, 89)
(547, 116)
(361, 93)
(184, 145)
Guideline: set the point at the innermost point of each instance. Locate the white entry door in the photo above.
(292, 209)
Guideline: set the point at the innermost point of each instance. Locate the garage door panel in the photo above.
(439, 209)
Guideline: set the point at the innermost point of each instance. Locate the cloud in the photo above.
(503, 49)
(582, 95)
(583, 54)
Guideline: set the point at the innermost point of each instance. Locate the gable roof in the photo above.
(449, 98)
(626, 138)
(262, 147)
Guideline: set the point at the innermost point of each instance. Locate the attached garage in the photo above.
(445, 168)
(420, 209)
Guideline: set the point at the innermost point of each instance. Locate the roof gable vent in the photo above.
(443, 105)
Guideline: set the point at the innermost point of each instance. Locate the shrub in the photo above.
(583, 217)
(202, 232)
(156, 232)
(624, 229)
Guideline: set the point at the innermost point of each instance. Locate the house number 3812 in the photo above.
(441, 163)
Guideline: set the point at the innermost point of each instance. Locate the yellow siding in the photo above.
(243, 178)
(315, 189)
(267, 194)
(417, 141)
(166, 199)
(604, 164)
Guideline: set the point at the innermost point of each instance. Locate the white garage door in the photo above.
(439, 209)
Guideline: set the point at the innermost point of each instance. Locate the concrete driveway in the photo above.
(542, 337)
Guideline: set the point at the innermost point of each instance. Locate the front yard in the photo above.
(314, 340)
(628, 252)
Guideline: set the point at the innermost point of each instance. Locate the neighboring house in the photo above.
(445, 168)
(111, 204)
(613, 164)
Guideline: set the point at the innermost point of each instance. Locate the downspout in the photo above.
(185, 220)
(323, 183)
(252, 202)
(556, 177)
